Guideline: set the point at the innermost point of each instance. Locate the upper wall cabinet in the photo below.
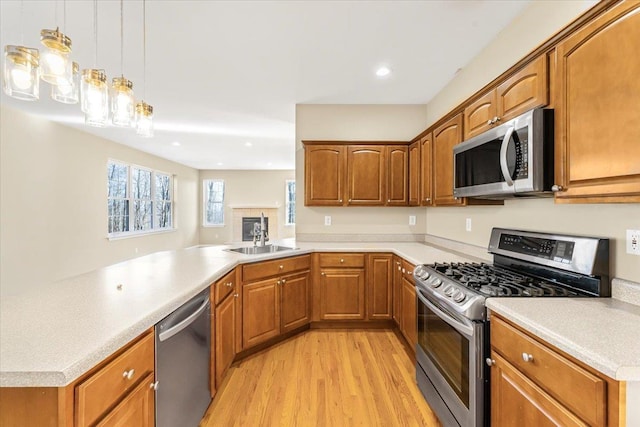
(356, 174)
(324, 175)
(414, 174)
(444, 138)
(598, 110)
(426, 168)
(524, 90)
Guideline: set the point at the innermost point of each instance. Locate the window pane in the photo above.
(213, 201)
(117, 180)
(163, 187)
(290, 205)
(141, 215)
(141, 183)
(118, 215)
(163, 215)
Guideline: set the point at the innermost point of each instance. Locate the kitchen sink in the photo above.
(257, 250)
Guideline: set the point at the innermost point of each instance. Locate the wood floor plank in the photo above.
(323, 378)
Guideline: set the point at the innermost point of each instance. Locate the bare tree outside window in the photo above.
(138, 200)
(213, 201)
(290, 202)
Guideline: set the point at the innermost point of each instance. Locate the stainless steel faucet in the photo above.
(260, 230)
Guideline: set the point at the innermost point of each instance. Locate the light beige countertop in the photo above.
(604, 333)
(55, 333)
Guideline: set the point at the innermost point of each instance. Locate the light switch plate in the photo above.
(412, 220)
(327, 220)
(633, 242)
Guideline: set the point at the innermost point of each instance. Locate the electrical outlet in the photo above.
(327, 220)
(633, 242)
(412, 220)
(468, 224)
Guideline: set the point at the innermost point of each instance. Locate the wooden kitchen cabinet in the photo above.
(414, 173)
(426, 170)
(225, 336)
(379, 289)
(445, 137)
(533, 384)
(137, 409)
(397, 290)
(397, 170)
(325, 175)
(409, 320)
(342, 286)
(366, 177)
(275, 298)
(526, 89)
(597, 112)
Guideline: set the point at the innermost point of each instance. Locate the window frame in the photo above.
(131, 200)
(287, 203)
(205, 223)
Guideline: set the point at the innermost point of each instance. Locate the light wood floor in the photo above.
(324, 378)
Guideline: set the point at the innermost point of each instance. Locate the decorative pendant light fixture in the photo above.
(20, 78)
(68, 93)
(122, 101)
(144, 111)
(94, 87)
(55, 65)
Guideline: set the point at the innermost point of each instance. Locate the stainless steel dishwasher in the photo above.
(183, 350)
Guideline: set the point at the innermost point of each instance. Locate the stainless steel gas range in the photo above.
(453, 330)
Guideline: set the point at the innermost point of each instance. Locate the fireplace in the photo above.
(247, 226)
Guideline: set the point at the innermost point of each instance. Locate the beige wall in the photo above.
(246, 188)
(53, 212)
(541, 20)
(357, 123)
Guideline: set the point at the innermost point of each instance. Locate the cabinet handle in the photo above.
(527, 357)
(154, 385)
(349, 200)
(284, 281)
(496, 119)
(229, 284)
(281, 267)
(399, 268)
(427, 199)
(341, 260)
(388, 200)
(404, 271)
(322, 274)
(340, 200)
(128, 374)
(489, 122)
(278, 282)
(490, 361)
(557, 188)
(235, 295)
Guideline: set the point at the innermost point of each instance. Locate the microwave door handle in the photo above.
(503, 156)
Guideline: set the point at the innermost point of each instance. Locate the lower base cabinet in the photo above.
(225, 334)
(408, 306)
(342, 294)
(137, 409)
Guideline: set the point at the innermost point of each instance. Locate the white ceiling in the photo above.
(225, 74)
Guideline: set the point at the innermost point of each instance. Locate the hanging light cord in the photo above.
(64, 16)
(121, 38)
(22, 22)
(95, 32)
(144, 49)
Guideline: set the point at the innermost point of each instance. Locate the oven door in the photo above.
(450, 370)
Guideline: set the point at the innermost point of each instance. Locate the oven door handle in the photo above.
(503, 156)
(464, 329)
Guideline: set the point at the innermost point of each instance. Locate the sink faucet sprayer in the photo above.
(259, 229)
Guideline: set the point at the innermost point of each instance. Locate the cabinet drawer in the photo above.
(579, 390)
(407, 270)
(224, 286)
(102, 390)
(341, 260)
(261, 270)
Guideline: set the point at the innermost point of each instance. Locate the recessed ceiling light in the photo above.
(383, 71)
(248, 144)
(269, 164)
(175, 143)
(219, 163)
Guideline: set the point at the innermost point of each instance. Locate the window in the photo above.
(290, 202)
(139, 200)
(213, 202)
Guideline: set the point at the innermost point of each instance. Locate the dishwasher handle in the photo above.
(165, 335)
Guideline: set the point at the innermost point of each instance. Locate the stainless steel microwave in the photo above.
(510, 160)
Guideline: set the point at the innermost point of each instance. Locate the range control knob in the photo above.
(436, 283)
(448, 290)
(418, 270)
(458, 296)
(424, 275)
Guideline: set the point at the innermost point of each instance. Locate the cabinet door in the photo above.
(516, 400)
(366, 175)
(426, 171)
(342, 294)
(479, 114)
(260, 312)
(294, 291)
(597, 110)
(414, 174)
(379, 280)
(409, 326)
(526, 89)
(397, 291)
(136, 409)
(445, 138)
(324, 175)
(225, 336)
(397, 175)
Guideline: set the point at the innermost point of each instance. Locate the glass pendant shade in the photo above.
(20, 76)
(144, 119)
(54, 62)
(122, 102)
(68, 93)
(94, 97)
